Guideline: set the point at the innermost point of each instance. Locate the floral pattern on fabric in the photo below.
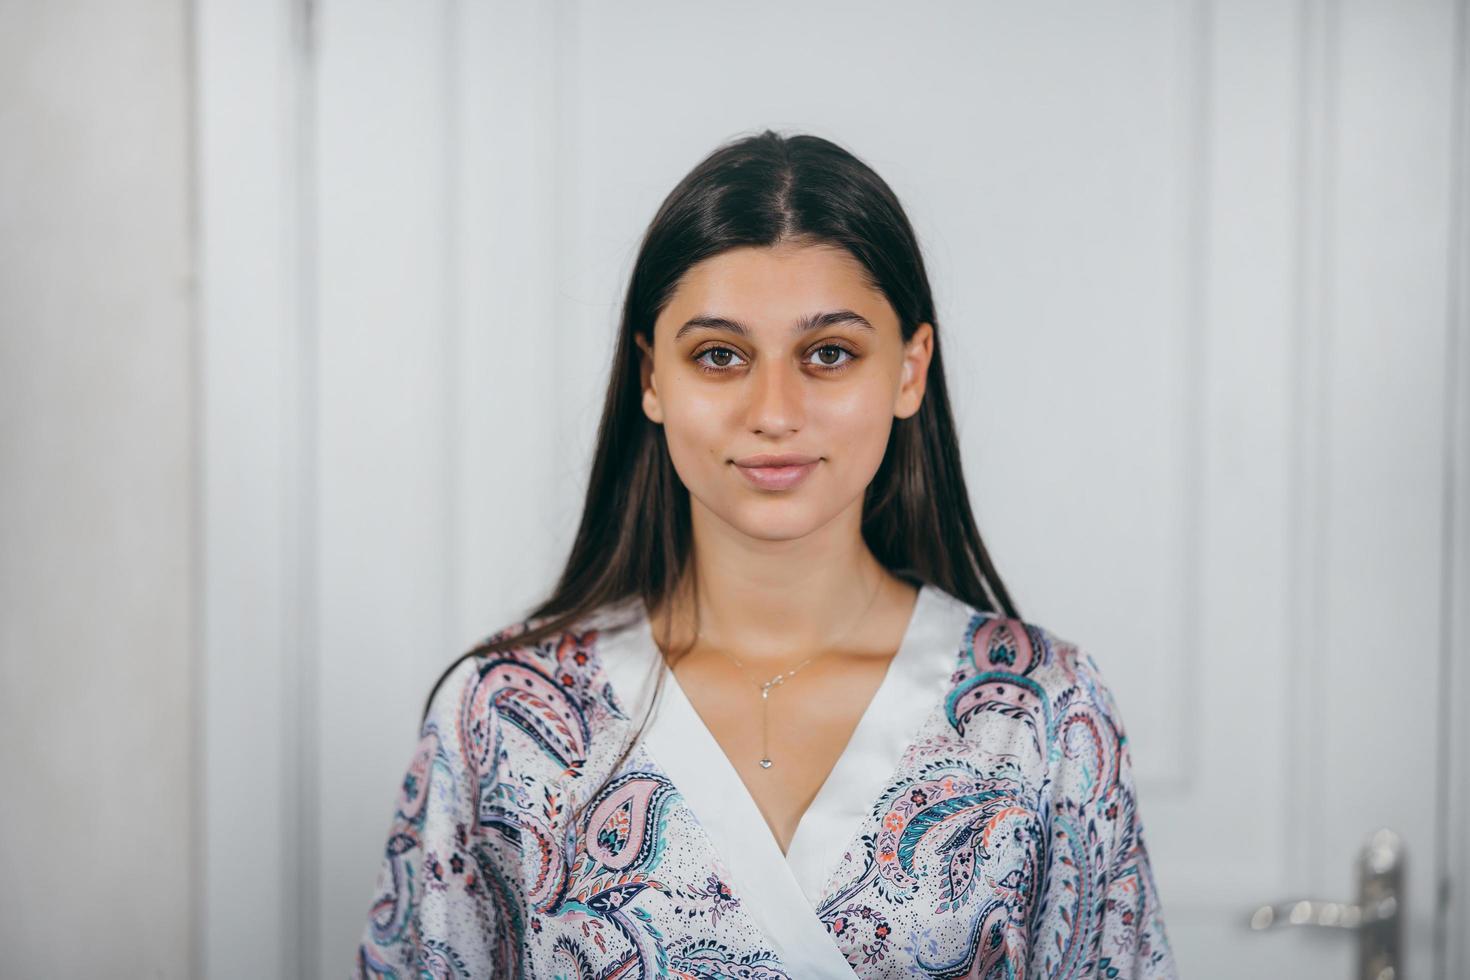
(1007, 844)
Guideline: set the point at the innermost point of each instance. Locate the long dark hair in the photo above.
(634, 538)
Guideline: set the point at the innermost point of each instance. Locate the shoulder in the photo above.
(1009, 663)
(474, 670)
(995, 642)
(544, 693)
(459, 715)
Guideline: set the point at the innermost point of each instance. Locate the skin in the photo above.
(783, 575)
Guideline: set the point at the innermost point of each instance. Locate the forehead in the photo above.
(775, 286)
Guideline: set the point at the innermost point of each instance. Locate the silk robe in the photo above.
(982, 821)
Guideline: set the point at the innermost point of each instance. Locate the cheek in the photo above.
(696, 429)
(855, 429)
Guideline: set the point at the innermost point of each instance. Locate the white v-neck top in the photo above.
(982, 816)
(784, 888)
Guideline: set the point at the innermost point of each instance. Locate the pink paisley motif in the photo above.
(951, 827)
(549, 882)
(391, 909)
(477, 726)
(1001, 643)
(527, 698)
(1087, 734)
(619, 835)
(1006, 694)
(914, 799)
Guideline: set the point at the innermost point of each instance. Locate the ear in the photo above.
(651, 407)
(916, 357)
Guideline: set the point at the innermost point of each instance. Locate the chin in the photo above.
(775, 519)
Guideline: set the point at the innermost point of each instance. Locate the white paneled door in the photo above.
(1201, 270)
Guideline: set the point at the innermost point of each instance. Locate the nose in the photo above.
(775, 404)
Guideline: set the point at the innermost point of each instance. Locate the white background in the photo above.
(1201, 275)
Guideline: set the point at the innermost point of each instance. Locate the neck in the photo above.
(773, 603)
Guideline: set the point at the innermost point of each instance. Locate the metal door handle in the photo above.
(1376, 916)
(1308, 912)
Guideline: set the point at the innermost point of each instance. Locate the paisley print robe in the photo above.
(981, 822)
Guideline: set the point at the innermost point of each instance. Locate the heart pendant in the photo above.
(765, 763)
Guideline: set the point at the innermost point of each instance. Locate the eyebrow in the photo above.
(808, 323)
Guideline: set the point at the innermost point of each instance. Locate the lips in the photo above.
(776, 471)
(776, 459)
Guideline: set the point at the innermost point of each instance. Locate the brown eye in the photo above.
(717, 360)
(828, 351)
(722, 362)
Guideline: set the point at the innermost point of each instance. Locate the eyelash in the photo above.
(826, 368)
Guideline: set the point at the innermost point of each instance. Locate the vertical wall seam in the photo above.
(451, 205)
(1323, 333)
(1293, 763)
(1197, 128)
(196, 600)
(1315, 128)
(1452, 787)
(300, 670)
(566, 257)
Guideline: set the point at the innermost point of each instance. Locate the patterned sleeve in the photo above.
(1099, 911)
(432, 913)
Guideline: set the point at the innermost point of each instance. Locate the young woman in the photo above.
(779, 717)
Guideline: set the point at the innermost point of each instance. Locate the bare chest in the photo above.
(802, 727)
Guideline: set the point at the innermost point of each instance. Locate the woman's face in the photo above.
(777, 351)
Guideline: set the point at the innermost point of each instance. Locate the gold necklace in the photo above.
(765, 686)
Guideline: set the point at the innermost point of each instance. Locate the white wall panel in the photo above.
(98, 528)
(251, 113)
(1190, 261)
(383, 363)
